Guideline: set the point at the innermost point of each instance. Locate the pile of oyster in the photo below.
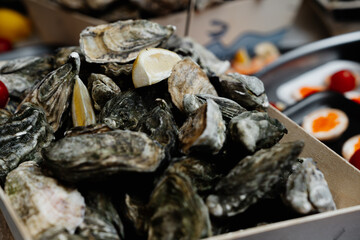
(85, 155)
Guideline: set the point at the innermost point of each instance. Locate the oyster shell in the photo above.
(41, 202)
(188, 78)
(248, 91)
(90, 129)
(4, 116)
(102, 89)
(252, 178)
(159, 125)
(20, 75)
(62, 55)
(136, 213)
(117, 69)
(256, 130)
(307, 190)
(101, 219)
(58, 233)
(176, 211)
(21, 138)
(90, 156)
(121, 41)
(54, 92)
(228, 108)
(201, 173)
(82, 111)
(204, 130)
(99, 4)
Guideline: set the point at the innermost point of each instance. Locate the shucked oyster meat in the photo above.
(95, 156)
(41, 202)
(122, 41)
(307, 190)
(22, 136)
(252, 178)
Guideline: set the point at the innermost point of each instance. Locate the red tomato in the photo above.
(342, 81)
(355, 159)
(4, 95)
(5, 45)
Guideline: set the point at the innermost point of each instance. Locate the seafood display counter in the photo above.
(206, 155)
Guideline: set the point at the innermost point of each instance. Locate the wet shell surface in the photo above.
(99, 155)
(204, 130)
(188, 78)
(122, 41)
(41, 202)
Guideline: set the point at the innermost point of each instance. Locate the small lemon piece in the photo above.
(13, 25)
(153, 65)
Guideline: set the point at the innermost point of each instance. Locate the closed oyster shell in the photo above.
(41, 202)
(21, 138)
(4, 116)
(256, 130)
(248, 91)
(20, 75)
(102, 89)
(188, 78)
(101, 220)
(90, 129)
(204, 130)
(121, 41)
(307, 190)
(62, 55)
(177, 212)
(58, 233)
(95, 156)
(117, 69)
(54, 92)
(228, 108)
(252, 178)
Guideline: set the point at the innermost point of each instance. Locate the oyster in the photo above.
(202, 174)
(256, 130)
(121, 41)
(41, 202)
(204, 130)
(125, 110)
(188, 78)
(307, 190)
(82, 111)
(21, 138)
(54, 92)
(248, 91)
(20, 75)
(136, 213)
(58, 233)
(159, 124)
(99, 4)
(4, 116)
(99, 155)
(90, 129)
(102, 89)
(252, 178)
(228, 108)
(101, 219)
(176, 211)
(117, 69)
(62, 55)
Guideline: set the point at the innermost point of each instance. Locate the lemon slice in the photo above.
(153, 65)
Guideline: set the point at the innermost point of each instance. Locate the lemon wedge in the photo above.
(153, 65)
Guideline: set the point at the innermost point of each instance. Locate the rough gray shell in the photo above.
(99, 155)
(117, 69)
(58, 233)
(90, 129)
(4, 116)
(252, 178)
(54, 92)
(102, 89)
(101, 219)
(20, 75)
(228, 108)
(62, 55)
(41, 202)
(176, 211)
(121, 41)
(188, 78)
(255, 130)
(248, 91)
(204, 131)
(22, 137)
(307, 190)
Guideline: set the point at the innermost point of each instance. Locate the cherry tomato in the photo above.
(5, 45)
(355, 159)
(342, 81)
(4, 95)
